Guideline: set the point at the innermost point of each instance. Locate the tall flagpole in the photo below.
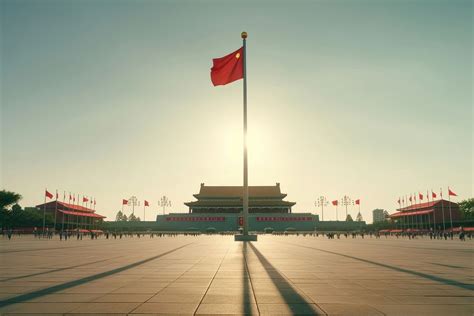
(56, 210)
(450, 214)
(442, 209)
(434, 212)
(44, 212)
(64, 201)
(246, 184)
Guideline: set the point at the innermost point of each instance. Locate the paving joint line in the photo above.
(466, 286)
(187, 270)
(297, 288)
(55, 288)
(56, 270)
(212, 280)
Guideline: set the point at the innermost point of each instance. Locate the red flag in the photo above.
(124, 202)
(57, 195)
(70, 197)
(84, 199)
(146, 203)
(451, 193)
(357, 202)
(335, 202)
(433, 195)
(228, 69)
(398, 201)
(420, 196)
(48, 195)
(410, 198)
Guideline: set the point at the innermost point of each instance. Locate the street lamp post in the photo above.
(133, 201)
(346, 201)
(321, 202)
(164, 202)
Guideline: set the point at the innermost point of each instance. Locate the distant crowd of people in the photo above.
(79, 235)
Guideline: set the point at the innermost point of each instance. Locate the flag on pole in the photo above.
(357, 202)
(57, 195)
(48, 194)
(335, 202)
(451, 193)
(420, 196)
(84, 199)
(124, 202)
(228, 69)
(399, 202)
(146, 203)
(433, 195)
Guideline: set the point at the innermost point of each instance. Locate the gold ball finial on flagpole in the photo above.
(244, 35)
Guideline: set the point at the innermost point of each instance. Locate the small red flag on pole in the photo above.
(451, 193)
(48, 194)
(228, 69)
(335, 203)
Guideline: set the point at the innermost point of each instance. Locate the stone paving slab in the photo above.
(213, 275)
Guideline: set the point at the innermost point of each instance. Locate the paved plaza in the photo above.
(212, 275)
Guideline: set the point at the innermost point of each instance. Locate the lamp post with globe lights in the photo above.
(164, 202)
(133, 201)
(346, 201)
(321, 202)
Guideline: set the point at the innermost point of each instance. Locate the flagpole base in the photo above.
(245, 237)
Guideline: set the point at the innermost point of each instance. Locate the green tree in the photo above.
(349, 218)
(467, 208)
(119, 216)
(8, 198)
(133, 218)
(359, 217)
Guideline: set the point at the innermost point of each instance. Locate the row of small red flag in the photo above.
(125, 202)
(336, 202)
(72, 197)
(412, 197)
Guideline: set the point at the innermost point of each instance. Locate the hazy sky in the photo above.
(113, 98)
